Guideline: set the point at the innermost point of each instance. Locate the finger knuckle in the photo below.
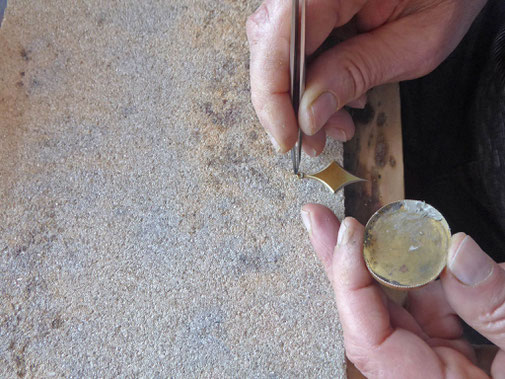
(360, 358)
(364, 366)
(256, 22)
(428, 55)
(345, 10)
(426, 60)
(358, 73)
(493, 320)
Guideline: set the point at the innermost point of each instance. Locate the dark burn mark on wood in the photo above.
(381, 151)
(370, 140)
(363, 116)
(392, 161)
(381, 119)
(357, 141)
(363, 199)
(375, 201)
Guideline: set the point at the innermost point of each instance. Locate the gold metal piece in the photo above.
(334, 177)
(406, 244)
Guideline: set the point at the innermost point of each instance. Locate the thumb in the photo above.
(407, 48)
(475, 288)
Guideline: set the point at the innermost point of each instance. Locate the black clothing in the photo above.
(453, 124)
(454, 134)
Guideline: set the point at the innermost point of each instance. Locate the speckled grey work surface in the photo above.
(147, 229)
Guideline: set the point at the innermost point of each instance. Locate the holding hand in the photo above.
(423, 340)
(398, 40)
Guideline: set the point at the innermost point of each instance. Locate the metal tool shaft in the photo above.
(297, 70)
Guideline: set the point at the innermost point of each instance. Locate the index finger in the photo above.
(268, 32)
(362, 306)
(372, 344)
(268, 35)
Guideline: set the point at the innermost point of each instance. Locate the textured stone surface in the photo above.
(146, 227)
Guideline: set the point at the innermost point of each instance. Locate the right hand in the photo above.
(398, 40)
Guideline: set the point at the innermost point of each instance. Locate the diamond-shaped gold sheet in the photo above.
(334, 177)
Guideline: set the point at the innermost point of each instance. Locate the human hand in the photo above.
(398, 40)
(424, 339)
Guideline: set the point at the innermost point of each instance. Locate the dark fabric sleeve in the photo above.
(454, 137)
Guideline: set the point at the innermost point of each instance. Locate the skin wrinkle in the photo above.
(375, 61)
(358, 355)
(455, 326)
(492, 328)
(439, 316)
(355, 300)
(497, 313)
(460, 345)
(401, 318)
(389, 372)
(496, 329)
(358, 80)
(444, 366)
(396, 332)
(454, 362)
(265, 88)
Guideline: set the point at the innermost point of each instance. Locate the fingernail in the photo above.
(319, 112)
(306, 220)
(469, 263)
(340, 135)
(359, 103)
(274, 143)
(344, 233)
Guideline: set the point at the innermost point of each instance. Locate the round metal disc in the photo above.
(406, 244)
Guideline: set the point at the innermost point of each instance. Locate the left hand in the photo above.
(425, 339)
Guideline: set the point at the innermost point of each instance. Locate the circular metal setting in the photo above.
(406, 244)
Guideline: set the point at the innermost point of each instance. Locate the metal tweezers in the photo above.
(297, 70)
